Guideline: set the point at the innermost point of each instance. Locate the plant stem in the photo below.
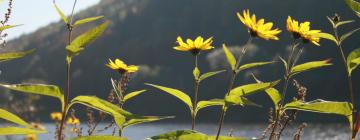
(286, 79)
(351, 92)
(68, 79)
(231, 84)
(197, 84)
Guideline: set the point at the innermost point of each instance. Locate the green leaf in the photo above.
(144, 119)
(86, 20)
(251, 65)
(252, 88)
(345, 36)
(356, 61)
(344, 22)
(331, 21)
(352, 60)
(80, 42)
(354, 5)
(14, 55)
(328, 37)
(309, 66)
(99, 137)
(191, 135)
(132, 94)
(212, 102)
(2, 28)
(284, 63)
(119, 114)
(176, 93)
(273, 93)
(209, 74)
(19, 131)
(41, 89)
(6, 115)
(196, 73)
(322, 106)
(62, 15)
(230, 57)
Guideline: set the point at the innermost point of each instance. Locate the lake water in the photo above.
(311, 132)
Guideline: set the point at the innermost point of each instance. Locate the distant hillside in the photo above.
(143, 32)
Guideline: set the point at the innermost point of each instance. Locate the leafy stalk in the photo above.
(197, 84)
(231, 84)
(68, 70)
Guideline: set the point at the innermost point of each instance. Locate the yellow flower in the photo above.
(194, 46)
(121, 66)
(31, 137)
(258, 28)
(56, 116)
(303, 31)
(74, 130)
(73, 121)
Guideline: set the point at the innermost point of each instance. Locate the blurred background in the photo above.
(143, 32)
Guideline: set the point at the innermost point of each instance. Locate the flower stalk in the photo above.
(197, 84)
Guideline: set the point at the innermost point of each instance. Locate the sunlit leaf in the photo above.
(209, 74)
(230, 57)
(273, 93)
(144, 119)
(99, 137)
(80, 42)
(252, 88)
(251, 65)
(212, 102)
(327, 36)
(119, 114)
(345, 36)
(344, 22)
(6, 115)
(14, 55)
(86, 20)
(322, 106)
(354, 5)
(132, 94)
(176, 93)
(2, 28)
(61, 14)
(19, 131)
(309, 66)
(196, 73)
(191, 135)
(41, 89)
(352, 60)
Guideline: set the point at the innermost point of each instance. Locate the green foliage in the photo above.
(353, 60)
(5, 27)
(345, 36)
(209, 74)
(191, 135)
(14, 55)
(86, 20)
(132, 95)
(61, 14)
(19, 131)
(354, 5)
(122, 118)
(309, 66)
(99, 137)
(176, 93)
(322, 106)
(6, 115)
(273, 93)
(196, 73)
(339, 23)
(252, 88)
(251, 65)
(80, 42)
(41, 89)
(328, 37)
(212, 102)
(230, 58)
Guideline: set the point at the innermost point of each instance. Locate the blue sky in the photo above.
(38, 13)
